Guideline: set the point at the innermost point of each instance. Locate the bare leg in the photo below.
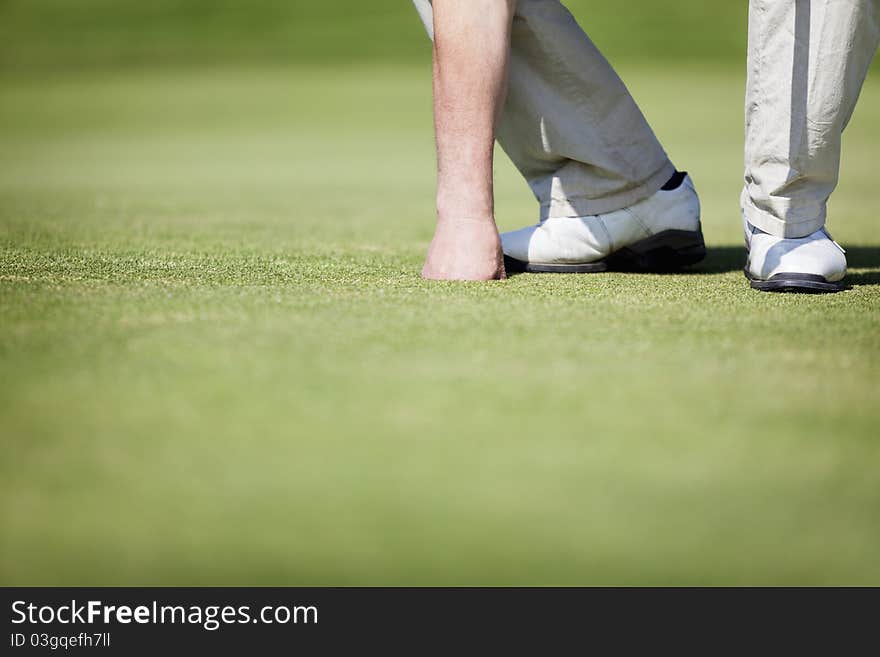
(471, 51)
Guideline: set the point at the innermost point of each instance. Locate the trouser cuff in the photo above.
(784, 228)
(583, 206)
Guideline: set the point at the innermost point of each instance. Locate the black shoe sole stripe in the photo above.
(666, 251)
(791, 282)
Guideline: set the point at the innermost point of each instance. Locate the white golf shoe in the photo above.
(660, 233)
(815, 263)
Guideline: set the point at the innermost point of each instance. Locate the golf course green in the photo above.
(219, 364)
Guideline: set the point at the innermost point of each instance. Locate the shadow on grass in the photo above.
(724, 259)
(718, 260)
(863, 257)
(721, 259)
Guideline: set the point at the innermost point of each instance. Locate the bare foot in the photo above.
(465, 250)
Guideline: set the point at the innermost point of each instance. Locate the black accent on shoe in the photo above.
(669, 250)
(674, 182)
(518, 266)
(803, 283)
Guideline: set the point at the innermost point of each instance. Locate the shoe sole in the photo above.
(669, 250)
(803, 283)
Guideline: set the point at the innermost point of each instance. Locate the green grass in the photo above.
(38, 34)
(218, 364)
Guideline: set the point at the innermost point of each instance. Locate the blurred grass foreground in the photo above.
(219, 364)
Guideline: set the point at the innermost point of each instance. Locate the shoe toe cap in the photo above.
(815, 256)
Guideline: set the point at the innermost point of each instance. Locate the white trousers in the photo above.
(807, 62)
(569, 124)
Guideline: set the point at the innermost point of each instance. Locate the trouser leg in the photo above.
(807, 62)
(569, 124)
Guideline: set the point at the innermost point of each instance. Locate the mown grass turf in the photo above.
(60, 34)
(219, 364)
